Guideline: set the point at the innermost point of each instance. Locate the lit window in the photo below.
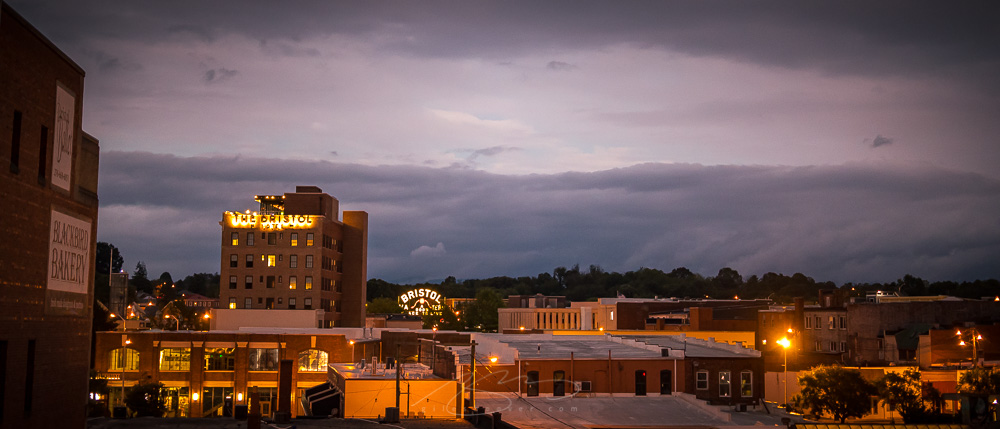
(701, 379)
(232, 303)
(293, 261)
(271, 260)
(309, 239)
(295, 239)
(123, 359)
(832, 324)
(235, 237)
(309, 261)
(746, 384)
(312, 360)
(175, 359)
(263, 360)
(309, 282)
(220, 359)
(292, 282)
(724, 381)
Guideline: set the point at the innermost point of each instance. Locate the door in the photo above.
(640, 382)
(532, 383)
(666, 381)
(559, 383)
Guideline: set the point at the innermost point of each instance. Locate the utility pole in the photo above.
(472, 391)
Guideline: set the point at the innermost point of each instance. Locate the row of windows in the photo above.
(216, 359)
(833, 346)
(271, 260)
(272, 238)
(269, 303)
(833, 322)
(15, 148)
(270, 281)
(725, 383)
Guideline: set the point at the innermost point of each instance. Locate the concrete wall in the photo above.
(367, 399)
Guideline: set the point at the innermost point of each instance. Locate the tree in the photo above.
(103, 257)
(482, 314)
(836, 391)
(140, 278)
(980, 381)
(902, 392)
(145, 400)
(383, 305)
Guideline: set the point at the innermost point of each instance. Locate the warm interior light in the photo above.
(239, 397)
(194, 396)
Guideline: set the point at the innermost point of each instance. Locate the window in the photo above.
(307, 303)
(295, 239)
(271, 260)
(701, 380)
(292, 282)
(270, 282)
(272, 238)
(843, 322)
(234, 261)
(818, 324)
(15, 144)
(291, 303)
(832, 324)
(808, 323)
(220, 359)
(819, 346)
(250, 238)
(724, 387)
(248, 282)
(833, 346)
(248, 303)
(232, 282)
(235, 238)
(175, 359)
(746, 384)
(309, 239)
(309, 282)
(263, 360)
(843, 346)
(123, 359)
(293, 261)
(250, 260)
(43, 149)
(309, 261)
(312, 360)
(232, 303)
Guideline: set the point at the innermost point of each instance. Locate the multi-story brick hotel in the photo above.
(295, 254)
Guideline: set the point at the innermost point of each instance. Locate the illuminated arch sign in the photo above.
(420, 301)
(270, 222)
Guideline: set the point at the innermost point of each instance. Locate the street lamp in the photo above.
(167, 316)
(974, 337)
(785, 344)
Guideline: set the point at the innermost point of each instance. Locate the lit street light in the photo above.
(167, 316)
(974, 337)
(785, 344)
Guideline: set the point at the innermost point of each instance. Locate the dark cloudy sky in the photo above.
(849, 141)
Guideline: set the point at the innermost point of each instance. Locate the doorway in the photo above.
(666, 381)
(559, 383)
(640, 382)
(532, 383)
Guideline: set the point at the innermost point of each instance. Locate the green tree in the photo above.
(980, 381)
(140, 278)
(482, 314)
(103, 258)
(145, 400)
(901, 392)
(836, 391)
(383, 305)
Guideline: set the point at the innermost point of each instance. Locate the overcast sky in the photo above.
(849, 141)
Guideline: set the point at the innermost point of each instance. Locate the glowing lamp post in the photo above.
(974, 337)
(167, 316)
(785, 344)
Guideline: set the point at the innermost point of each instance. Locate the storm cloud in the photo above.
(848, 223)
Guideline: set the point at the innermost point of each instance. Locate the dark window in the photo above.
(272, 238)
(15, 150)
(43, 146)
(249, 239)
(248, 282)
(232, 282)
(250, 261)
(233, 261)
(29, 378)
(291, 303)
(270, 282)
(307, 304)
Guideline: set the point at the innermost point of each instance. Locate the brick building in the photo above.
(200, 370)
(48, 179)
(295, 253)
